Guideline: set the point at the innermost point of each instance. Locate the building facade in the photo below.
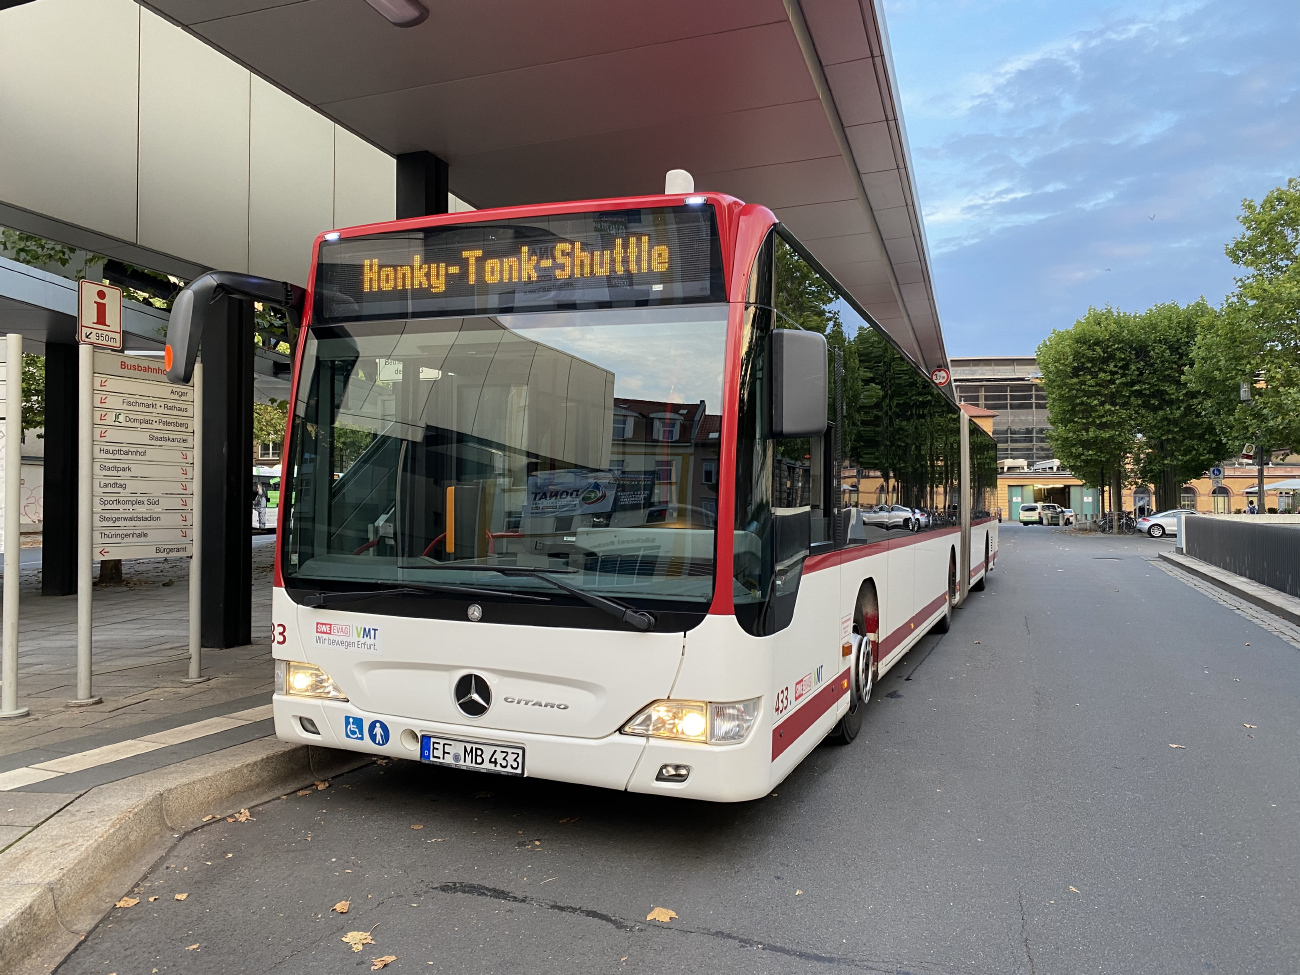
(1008, 386)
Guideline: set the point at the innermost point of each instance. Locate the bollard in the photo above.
(13, 530)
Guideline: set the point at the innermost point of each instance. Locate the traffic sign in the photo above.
(940, 376)
(145, 518)
(137, 485)
(143, 421)
(99, 314)
(141, 536)
(121, 468)
(1216, 472)
(136, 502)
(130, 401)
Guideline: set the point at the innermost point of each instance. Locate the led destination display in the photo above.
(623, 258)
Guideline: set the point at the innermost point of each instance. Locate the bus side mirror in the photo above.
(799, 383)
(193, 307)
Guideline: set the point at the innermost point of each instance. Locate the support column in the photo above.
(421, 185)
(13, 528)
(59, 534)
(963, 566)
(225, 533)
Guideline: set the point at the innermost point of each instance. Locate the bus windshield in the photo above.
(580, 443)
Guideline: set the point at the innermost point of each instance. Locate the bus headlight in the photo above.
(306, 680)
(696, 721)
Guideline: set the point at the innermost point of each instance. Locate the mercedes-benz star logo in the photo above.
(473, 696)
(475, 612)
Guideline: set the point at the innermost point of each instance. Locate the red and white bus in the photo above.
(628, 493)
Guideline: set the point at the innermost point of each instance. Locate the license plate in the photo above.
(477, 755)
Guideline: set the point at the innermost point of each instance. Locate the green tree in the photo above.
(1256, 338)
(269, 420)
(1087, 371)
(1177, 441)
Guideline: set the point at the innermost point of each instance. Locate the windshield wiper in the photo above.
(620, 610)
(322, 598)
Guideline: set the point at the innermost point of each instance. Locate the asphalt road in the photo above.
(1013, 805)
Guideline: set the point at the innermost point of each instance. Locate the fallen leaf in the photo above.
(242, 816)
(153, 898)
(192, 947)
(797, 893)
(181, 897)
(383, 962)
(569, 819)
(1247, 644)
(127, 902)
(322, 785)
(357, 938)
(1076, 890)
(207, 818)
(417, 826)
(1249, 726)
(482, 795)
(1172, 745)
(303, 792)
(977, 641)
(341, 907)
(661, 914)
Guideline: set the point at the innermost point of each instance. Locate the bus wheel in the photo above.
(944, 623)
(866, 635)
(978, 586)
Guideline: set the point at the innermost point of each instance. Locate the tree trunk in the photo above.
(1168, 490)
(110, 573)
(1117, 494)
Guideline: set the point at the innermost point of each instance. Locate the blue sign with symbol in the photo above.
(353, 728)
(379, 733)
(1216, 472)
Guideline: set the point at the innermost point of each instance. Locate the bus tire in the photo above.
(866, 638)
(978, 585)
(944, 623)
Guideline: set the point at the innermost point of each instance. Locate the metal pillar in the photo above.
(59, 534)
(13, 530)
(421, 185)
(85, 527)
(963, 568)
(196, 558)
(225, 536)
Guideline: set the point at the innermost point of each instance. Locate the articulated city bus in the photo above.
(628, 493)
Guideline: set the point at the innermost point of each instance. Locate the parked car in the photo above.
(1067, 516)
(1163, 523)
(1050, 514)
(891, 516)
(1029, 515)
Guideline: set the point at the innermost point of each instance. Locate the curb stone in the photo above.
(59, 880)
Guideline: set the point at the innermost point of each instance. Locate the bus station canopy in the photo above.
(789, 103)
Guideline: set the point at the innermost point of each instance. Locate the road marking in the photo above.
(94, 757)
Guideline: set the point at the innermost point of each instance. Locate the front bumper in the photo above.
(719, 773)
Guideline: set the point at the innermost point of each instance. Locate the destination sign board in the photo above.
(142, 471)
(613, 258)
(146, 438)
(150, 387)
(123, 451)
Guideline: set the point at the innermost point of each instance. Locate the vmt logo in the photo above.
(348, 631)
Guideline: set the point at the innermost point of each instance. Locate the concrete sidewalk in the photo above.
(89, 797)
(1276, 602)
(140, 657)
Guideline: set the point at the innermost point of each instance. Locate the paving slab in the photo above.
(30, 809)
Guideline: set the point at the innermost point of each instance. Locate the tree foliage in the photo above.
(1256, 338)
(269, 421)
(1118, 403)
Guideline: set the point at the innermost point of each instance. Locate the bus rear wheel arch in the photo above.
(865, 667)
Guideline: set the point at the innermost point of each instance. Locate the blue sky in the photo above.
(1077, 153)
